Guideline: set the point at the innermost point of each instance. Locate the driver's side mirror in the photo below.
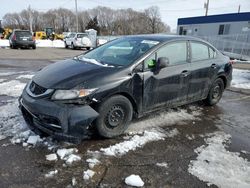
(162, 62)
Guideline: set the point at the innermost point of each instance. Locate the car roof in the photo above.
(164, 37)
(21, 30)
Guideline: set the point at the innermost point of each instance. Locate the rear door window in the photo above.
(23, 34)
(199, 51)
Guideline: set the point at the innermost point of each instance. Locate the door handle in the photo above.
(213, 66)
(185, 73)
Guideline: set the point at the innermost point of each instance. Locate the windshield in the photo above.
(120, 52)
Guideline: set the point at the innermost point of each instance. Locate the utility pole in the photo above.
(206, 5)
(239, 9)
(76, 16)
(30, 18)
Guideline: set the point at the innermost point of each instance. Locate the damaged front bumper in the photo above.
(61, 121)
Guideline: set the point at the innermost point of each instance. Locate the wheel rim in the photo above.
(216, 92)
(115, 117)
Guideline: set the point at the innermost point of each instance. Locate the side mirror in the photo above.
(162, 62)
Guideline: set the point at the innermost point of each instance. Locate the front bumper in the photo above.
(61, 121)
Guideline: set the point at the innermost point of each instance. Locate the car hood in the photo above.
(70, 73)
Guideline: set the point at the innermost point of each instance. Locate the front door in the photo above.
(168, 86)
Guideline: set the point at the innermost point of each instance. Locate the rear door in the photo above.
(23, 36)
(169, 86)
(203, 68)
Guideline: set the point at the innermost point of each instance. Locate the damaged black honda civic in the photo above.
(126, 78)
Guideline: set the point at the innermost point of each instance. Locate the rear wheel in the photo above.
(215, 92)
(114, 116)
(88, 48)
(34, 47)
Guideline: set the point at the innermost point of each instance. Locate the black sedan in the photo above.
(120, 80)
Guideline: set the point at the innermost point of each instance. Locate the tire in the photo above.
(215, 92)
(34, 47)
(88, 48)
(72, 46)
(66, 46)
(114, 116)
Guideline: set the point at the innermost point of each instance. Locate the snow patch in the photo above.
(34, 139)
(92, 162)
(165, 165)
(12, 88)
(50, 43)
(26, 76)
(134, 180)
(135, 142)
(2, 80)
(88, 174)
(4, 43)
(218, 166)
(241, 79)
(11, 121)
(167, 118)
(51, 174)
(68, 155)
(51, 157)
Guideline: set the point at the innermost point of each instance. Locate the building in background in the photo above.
(230, 33)
(223, 24)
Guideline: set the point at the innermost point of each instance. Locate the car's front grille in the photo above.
(36, 89)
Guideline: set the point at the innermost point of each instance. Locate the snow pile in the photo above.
(12, 88)
(218, 166)
(11, 121)
(2, 80)
(50, 43)
(135, 142)
(92, 162)
(26, 76)
(51, 157)
(167, 118)
(241, 79)
(51, 174)
(68, 155)
(134, 180)
(88, 174)
(4, 43)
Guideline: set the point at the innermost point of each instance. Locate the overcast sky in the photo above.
(170, 10)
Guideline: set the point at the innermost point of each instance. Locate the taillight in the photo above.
(231, 62)
(14, 37)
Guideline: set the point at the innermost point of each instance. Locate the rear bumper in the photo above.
(24, 43)
(61, 121)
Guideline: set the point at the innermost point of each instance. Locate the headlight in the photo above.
(71, 94)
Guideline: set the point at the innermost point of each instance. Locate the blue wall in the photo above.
(235, 17)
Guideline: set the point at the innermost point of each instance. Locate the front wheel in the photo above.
(72, 46)
(215, 92)
(114, 116)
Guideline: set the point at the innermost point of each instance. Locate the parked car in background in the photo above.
(22, 39)
(78, 40)
(123, 79)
